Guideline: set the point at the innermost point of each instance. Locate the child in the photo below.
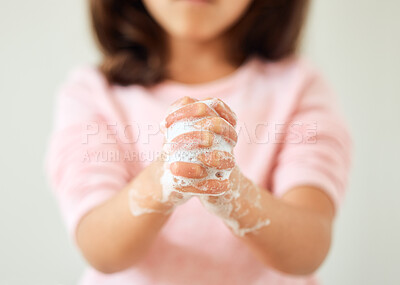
(248, 182)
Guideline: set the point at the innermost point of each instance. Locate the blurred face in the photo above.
(198, 20)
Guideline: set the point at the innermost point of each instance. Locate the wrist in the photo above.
(244, 208)
(145, 192)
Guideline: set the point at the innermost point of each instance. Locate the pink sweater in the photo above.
(290, 134)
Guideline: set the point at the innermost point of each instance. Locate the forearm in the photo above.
(111, 238)
(297, 239)
(289, 234)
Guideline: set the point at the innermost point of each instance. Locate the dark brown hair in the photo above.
(133, 44)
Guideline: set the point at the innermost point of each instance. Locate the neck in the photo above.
(193, 62)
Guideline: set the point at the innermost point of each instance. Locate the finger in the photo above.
(224, 111)
(227, 196)
(191, 140)
(188, 170)
(209, 187)
(217, 159)
(191, 111)
(218, 126)
(213, 186)
(174, 106)
(182, 102)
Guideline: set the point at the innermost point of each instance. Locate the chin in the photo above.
(194, 35)
(195, 30)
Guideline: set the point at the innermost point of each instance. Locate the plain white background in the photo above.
(356, 43)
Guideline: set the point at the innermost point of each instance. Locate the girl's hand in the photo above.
(200, 137)
(146, 192)
(236, 206)
(203, 134)
(197, 157)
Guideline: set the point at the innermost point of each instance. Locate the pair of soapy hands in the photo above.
(197, 161)
(198, 147)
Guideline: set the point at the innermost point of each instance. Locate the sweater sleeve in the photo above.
(316, 149)
(83, 165)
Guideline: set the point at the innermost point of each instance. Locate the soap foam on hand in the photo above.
(185, 151)
(147, 198)
(180, 149)
(235, 204)
(201, 143)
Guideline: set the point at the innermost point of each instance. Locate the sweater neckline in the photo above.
(215, 88)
